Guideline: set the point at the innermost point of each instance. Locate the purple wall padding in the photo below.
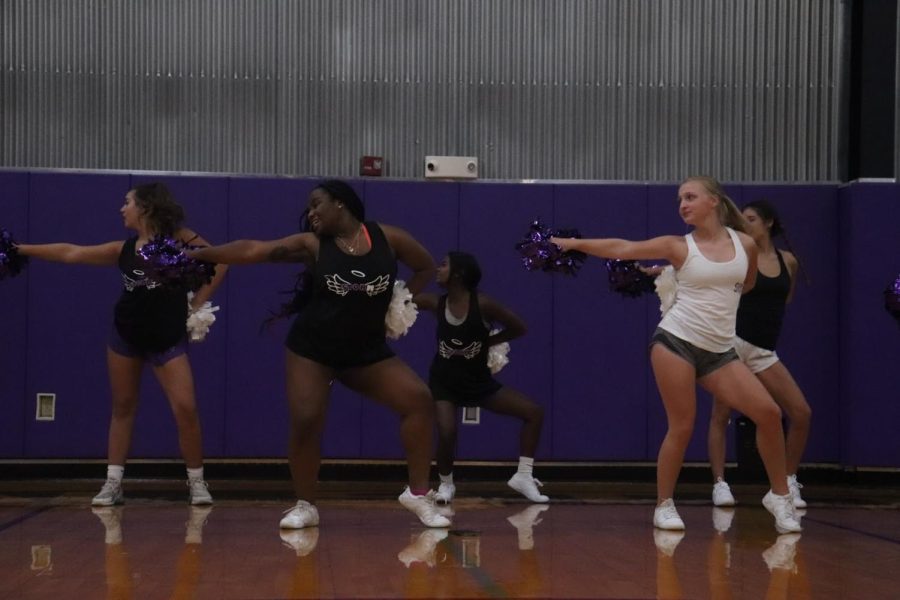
(14, 403)
(599, 338)
(584, 358)
(493, 217)
(70, 312)
(869, 337)
(429, 212)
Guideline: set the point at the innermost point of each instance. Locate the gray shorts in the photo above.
(704, 361)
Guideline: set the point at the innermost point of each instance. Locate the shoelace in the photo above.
(537, 482)
(669, 512)
(110, 486)
(301, 505)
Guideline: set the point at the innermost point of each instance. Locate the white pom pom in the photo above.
(200, 320)
(497, 355)
(666, 288)
(402, 312)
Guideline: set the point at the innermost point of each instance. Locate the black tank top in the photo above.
(350, 294)
(149, 316)
(460, 363)
(761, 311)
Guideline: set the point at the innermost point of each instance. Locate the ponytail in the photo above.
(729, 214)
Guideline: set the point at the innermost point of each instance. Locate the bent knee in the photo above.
(768, 415)
(800, 415)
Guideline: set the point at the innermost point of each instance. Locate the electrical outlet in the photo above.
(41, 558)
(45, 407)
(471, 415)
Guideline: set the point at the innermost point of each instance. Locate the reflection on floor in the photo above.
(59, 547)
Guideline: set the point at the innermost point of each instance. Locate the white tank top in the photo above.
(706, 303)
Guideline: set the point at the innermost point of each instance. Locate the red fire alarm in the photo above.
(371, 166)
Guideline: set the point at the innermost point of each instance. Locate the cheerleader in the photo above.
(149, 327)
(339, 335)
(694, 342)
(460, 374)
(759, 320)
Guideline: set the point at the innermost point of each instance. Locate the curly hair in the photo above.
(163, 214)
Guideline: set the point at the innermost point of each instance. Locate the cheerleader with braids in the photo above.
(149, 327)
(694, 342)
(759, 320)
(339, 335)
(460, 375)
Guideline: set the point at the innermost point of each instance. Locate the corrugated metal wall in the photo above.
(549, 89)
(897, 111)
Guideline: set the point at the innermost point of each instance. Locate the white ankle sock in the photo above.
(115, 472)
(446, 478)
(526, 465)
(195, 473)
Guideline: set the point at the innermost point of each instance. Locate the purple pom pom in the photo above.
(626, 278)
(892, 298)
(11, 262)
(170, 266)
(540, 254)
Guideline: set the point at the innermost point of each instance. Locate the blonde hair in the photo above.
(729, 214)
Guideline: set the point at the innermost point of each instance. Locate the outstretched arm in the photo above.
(494, 312)
(414, 255)
(668, 247)
(102, 254)
(300, 247)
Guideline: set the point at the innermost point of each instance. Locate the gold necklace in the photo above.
(347, 246)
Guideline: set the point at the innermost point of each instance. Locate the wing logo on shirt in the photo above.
(469, 352)
(342, 287)
(140, 281)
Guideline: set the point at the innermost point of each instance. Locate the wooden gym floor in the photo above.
(594, 540)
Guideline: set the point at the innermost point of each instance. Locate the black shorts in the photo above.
(340, 356)
(474, 397)
(704, 361)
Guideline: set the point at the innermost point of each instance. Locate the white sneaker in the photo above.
(110, 493)
(667, 541)
(722, 518)
(528, 487)
(666, 517)
(193, 527)
(199, 492)
(424, 508)
(782, 507)
(795, 487)
(301, 541)
(421, 547)
(303, 514)
(524, 521)
(721, 495)
(111, 517)
(445, 493)
(445, 510)
(780, 555)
